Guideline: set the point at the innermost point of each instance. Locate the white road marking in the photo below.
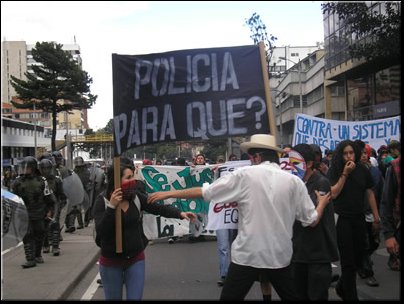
(91, 290)
(11, 248)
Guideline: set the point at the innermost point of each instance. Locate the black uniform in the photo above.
(31, 189)
(55, 199)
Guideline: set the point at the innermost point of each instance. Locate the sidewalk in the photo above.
(57, 277)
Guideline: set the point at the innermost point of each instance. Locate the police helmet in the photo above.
(45, 155)
(58, 157)
(78, 161)
(45, 167)
(28, 162)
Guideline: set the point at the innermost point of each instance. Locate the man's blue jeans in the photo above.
(224, 239)
(113, 279)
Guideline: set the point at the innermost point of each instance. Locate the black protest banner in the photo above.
(188, 94)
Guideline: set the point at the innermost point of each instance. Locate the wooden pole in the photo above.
(118, 216)
(271, 118)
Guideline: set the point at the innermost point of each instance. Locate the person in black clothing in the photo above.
(321, 167)
(314, 248)
(31, 187)
(128, 267)
(54, 198)
(372, 236)
(350, 183)
(390, 211)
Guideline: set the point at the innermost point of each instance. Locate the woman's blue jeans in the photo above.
(113, 279)
(224, 239)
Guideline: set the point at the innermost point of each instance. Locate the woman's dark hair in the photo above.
(110, 177)
(361, 145)
(232, 156)
(394, 144)
(200, 154)
(337, 161)
(266, 154)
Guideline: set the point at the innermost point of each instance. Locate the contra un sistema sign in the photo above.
(328, 133)
(187, 95)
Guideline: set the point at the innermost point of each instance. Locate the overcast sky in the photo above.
(134, 28)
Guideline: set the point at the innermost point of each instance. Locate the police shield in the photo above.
(15, 216)
(73, 188)
(85, 202)
(97, 177)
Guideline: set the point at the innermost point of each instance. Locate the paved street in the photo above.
(181, 271)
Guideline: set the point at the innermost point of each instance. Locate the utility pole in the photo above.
(68, 148)
(35, 139)
(300, 87)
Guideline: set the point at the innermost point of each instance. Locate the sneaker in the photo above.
(55, 251)
(220, 283)
(39, 260)
(29, 264)
(99, 282)
(371, 281)
(46, 249)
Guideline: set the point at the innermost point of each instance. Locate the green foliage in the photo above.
(377, 34)
(214, 147)
(58, 84)
(108, 129)
(259, 33)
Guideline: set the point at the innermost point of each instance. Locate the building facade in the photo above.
(372, 90)
(300, 89)
(333, 85)
(282, 57)
(20, 139)
(17, 60)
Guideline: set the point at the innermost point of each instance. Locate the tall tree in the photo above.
(58, 84)
(259, 33)
(109, 127)
(382, 24)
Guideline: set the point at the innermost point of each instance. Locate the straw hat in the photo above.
(260, 141)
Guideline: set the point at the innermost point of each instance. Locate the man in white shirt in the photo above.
(269, 201)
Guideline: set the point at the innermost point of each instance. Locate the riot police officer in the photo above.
(80, 168)
(30, 187)
(62, 171)
(55, 198)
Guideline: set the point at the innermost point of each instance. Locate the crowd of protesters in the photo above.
(347, 202)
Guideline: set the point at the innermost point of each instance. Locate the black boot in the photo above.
(29, 255)
(55, 235)
(70, 218)
(29, 264)
(80, 219)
